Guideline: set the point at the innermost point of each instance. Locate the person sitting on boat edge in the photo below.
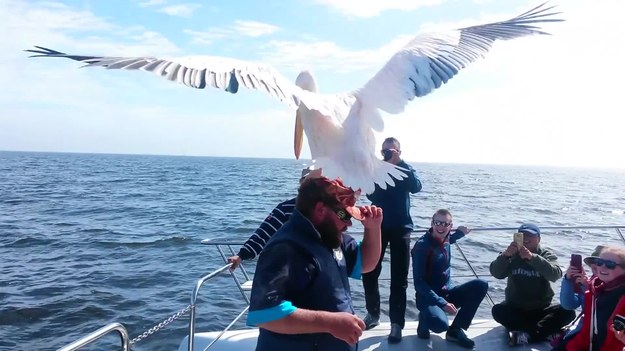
(572, 298)
(301, 299)
(435, 296)
(278, 216)
(527, 312)
(603, 300)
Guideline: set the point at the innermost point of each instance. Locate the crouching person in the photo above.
(435, 296)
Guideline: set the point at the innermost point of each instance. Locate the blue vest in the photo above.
(328, 291)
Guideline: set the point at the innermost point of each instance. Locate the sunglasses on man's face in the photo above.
(342, 214)
(609, 264)
(441, 223)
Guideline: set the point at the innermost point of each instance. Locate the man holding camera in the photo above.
(527, 312)
(396, 228)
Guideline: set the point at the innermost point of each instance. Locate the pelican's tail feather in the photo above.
(381, 173)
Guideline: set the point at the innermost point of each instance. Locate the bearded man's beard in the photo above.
(331, 236)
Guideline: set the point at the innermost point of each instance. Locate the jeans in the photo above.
(466, 297)
(399, 241)
(538, 323)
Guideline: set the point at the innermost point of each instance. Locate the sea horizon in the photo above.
(307, 161)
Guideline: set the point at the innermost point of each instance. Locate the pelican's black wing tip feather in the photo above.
(41, 51)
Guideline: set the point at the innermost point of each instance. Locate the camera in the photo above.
(388, 154)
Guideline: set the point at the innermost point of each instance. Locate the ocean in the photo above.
(89, 239)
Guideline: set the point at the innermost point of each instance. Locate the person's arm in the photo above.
(255, 244)
(458, 234)
(546, 264)
(342, 325)
(569, 300)
(424, 290)
(500, 267)
(362, 257)
(372, 238)
(283, 271)
(412, 182)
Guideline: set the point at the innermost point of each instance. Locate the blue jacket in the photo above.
(569, 299)
(295, 270)
(431, 268)
(395, 201)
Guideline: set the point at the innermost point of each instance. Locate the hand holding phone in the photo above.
(576, 261)
(518, 239)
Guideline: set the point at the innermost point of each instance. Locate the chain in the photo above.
(159, 326)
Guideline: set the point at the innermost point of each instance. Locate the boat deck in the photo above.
(487, 334)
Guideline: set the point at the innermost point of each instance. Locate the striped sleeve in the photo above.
(255, 244)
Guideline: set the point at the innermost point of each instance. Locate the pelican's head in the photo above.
(306, 81)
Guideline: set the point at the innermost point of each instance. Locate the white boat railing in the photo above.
(220, 244)
(84, 341)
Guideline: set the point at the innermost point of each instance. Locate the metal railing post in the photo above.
(123, 333)
(198, 285)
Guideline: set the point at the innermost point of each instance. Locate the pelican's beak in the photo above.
(299, 135)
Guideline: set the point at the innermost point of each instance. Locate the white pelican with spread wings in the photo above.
(340, 127)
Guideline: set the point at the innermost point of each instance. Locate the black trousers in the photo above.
(399, 241)
(538, 323)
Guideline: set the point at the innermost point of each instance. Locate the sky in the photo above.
(541, 100)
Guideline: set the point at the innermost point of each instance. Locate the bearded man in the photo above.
(300, 297)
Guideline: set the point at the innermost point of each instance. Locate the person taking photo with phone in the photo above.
(572, 289)
(396, 228)
(604, 304)
(527, 312)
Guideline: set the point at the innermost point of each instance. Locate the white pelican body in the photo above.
(342, 142)
(339, 127)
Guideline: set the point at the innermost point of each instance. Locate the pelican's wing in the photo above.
(209, 71)
(430, 60)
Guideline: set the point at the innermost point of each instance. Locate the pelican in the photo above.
(339, 127)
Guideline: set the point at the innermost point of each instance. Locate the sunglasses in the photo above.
(342, 214)
(609, 264)
(441, 223)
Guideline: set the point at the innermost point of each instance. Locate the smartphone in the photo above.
(518, 239)
(576, 261)
(619, 322)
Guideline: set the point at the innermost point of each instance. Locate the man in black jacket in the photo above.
(396, 228)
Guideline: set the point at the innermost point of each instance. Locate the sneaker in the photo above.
(518, 338)
(423, 334)
(458, 336)
(395, 334)
(371, 321)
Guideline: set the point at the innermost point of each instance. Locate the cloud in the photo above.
(237, 29)
(372, 8)
(328, 56)
(254, 29)
(178, 10)
(151, 3)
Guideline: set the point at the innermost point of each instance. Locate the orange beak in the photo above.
(298, 138)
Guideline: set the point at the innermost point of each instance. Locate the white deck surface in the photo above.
(487, 334)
